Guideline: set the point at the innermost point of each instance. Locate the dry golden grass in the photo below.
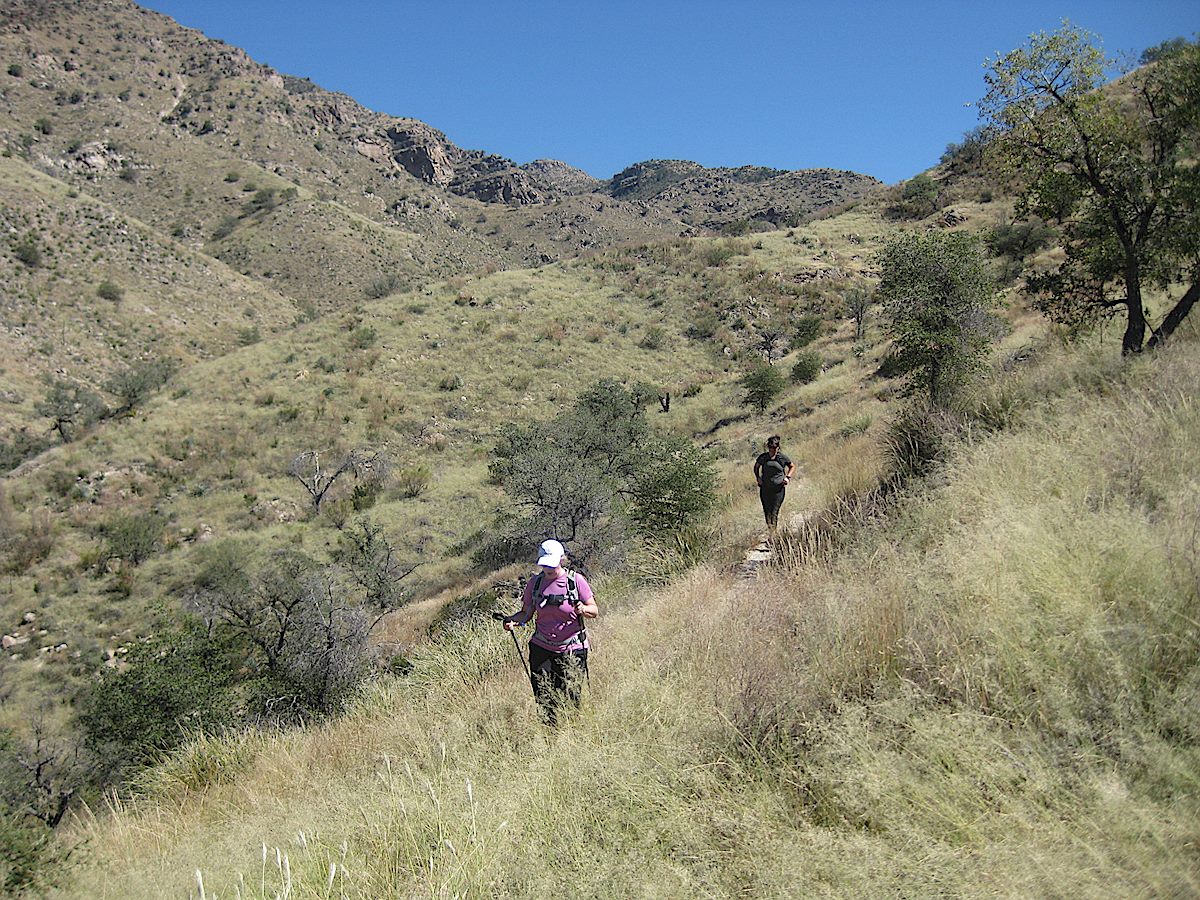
(990, 691)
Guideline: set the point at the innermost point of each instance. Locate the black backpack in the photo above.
(541, 599)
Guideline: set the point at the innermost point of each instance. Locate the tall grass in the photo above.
(989, 687)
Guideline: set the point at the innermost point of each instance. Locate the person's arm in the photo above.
(791, 470)
(526, 612)
(758, 471)
(586, 607)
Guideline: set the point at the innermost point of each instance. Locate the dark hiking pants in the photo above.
(772, 499)
(557, 679)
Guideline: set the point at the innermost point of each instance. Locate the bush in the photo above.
(362, 337)
(133, 538)
(22, 445)
(32, 861)
(673, 486)
(170, 687)
(384, 286)
(27, 250)
(16, 70)
(938, 298)
(249, 335)
(807, 367)
(653, 338)
(412, 481)
(225, 228)
(718, 254)
(133, 386)
(806, 330)
(566, 476)
(763, 384)
(110, 291)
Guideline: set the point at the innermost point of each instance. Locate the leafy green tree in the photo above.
(133, 386)
(1164, 50)
(590, 474)
(70, 407)
(937, 295)
(133, 538)
(920, 194)
(1118, 164)
(673, 486)
(763, 383)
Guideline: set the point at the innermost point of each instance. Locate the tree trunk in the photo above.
(1175, 317)
(1135, 324)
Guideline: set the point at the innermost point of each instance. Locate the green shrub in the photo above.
(718, 254)
(363, 337)
(16, 70)
(28, 251)
(672, 487)
(807, 367)
(171, 686)
(704, 324)
(412, 481)
(385, 286)
(763, 384)
(133, 538)
(133, 386)
(452, 382)
(110, 291)
(806, 330)
(653, 338)
(225, 228)
(249, 335)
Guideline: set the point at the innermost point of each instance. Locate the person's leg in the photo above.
(542, 665)
(776, 505)
(574, 673)
(772, 500)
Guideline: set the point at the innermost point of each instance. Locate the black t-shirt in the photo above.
(773, 470)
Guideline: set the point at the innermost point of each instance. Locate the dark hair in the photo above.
(773, 441)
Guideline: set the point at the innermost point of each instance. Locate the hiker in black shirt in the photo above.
(772, 470)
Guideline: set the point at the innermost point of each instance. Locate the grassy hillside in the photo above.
(427, 377)
(985, 686)
(162, 299)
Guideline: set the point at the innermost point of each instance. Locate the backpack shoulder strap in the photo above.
(572, 587)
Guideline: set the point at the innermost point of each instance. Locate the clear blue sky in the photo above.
(875, 87)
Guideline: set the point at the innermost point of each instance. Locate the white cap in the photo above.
(550, 553)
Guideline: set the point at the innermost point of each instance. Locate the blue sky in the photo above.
(875, 87)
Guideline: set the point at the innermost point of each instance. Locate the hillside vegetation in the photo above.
(284, 382)
(990, 687)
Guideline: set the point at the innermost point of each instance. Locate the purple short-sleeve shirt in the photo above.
(559, 628)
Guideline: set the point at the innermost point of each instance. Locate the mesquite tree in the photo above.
(1115, 164)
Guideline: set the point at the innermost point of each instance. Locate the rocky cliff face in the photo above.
(562, 177)
(427, 154)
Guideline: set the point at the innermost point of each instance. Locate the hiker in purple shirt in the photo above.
(558, 600)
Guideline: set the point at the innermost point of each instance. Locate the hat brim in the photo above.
(552, 560)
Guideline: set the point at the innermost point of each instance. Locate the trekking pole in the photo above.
(501, 617)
